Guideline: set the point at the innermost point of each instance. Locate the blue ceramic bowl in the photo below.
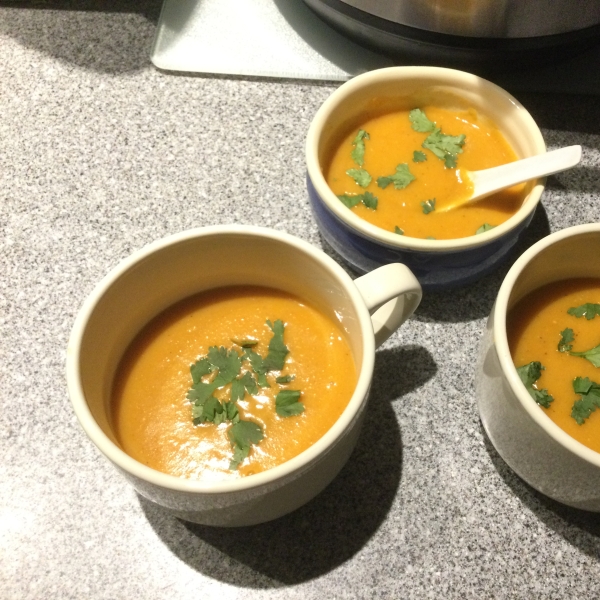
(438, 264)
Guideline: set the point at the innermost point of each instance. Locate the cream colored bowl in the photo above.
(438, 264)
(527, 439)
(156, 277)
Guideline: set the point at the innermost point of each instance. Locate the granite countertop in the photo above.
(100, 154)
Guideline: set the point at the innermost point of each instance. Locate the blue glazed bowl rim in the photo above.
(430, 76)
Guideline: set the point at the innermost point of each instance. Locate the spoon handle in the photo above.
(488, 181)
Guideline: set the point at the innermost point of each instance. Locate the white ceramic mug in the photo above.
(535, 447)
(368, 309)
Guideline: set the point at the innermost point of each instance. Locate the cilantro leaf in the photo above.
(589, 401)
(238, 391)
(200, 392)
(275, 359)
(350, 200)
(258, 366)
(199, 369)
(566, 337)
(287, 405)
(593, 355)
(245, 433)
(228, 362)
(231, 412)
(419, 156)
(401, 178)
(212, 410)
(428, 205)
(240, 385)
(241, 436)
(284, 379)
(587, 310)
(360, 176)
(485, 227)
(419, 121)
(445, 147)
(239, 455)
(368, 199)
(358, 153)
(398, 230)
(249, 383)
(529, 374)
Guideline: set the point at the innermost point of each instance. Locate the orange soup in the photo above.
(557, 330)
(399, 170)
(231, 382)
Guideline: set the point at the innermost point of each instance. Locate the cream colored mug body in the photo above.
(525, 437)
(368, 309)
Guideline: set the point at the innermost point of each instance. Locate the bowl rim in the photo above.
(432, 76)
(293, 466)
(501, 343)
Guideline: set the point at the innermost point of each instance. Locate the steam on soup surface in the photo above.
(557, 330)
(397, 170)
(269, 376)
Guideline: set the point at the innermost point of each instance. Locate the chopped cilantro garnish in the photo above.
(485, 227)
(589, 401)
(445, 147)
(358, 153)
(212, 407)
(419, 156)
(199, 369)
(287, 404)
(258, 366)
(350, 200)
(239, 455)
(240, 385)
(227, 362)
(368, 199)
(419, 121)
(200, 392)
(428, 205)
(529, 374)
(277, 349)
(566, 337)
(241, 436)
(593, 355)
(398, 230)
(587, 310)
(231, 412)
(227, 366)
(401, 178)
(360, 176)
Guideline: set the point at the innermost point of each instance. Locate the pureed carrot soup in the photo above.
(231, 382)
(399, 169)
(554, 339)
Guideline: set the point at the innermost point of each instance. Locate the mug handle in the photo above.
(391, 293)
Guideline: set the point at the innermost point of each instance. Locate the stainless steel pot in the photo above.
(487, 18)
(480, 34)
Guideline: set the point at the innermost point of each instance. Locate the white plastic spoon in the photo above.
(489, 181)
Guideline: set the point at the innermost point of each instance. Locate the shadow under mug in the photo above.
(368, 309)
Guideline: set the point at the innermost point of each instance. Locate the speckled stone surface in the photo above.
(101, 154)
